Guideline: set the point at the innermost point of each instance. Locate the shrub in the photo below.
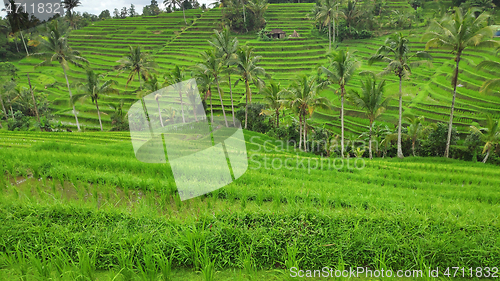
(256, 121)
(435, 144)
(19, 123)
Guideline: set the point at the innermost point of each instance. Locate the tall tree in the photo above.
(174, 78)
(140, 64)
(174, 4)
(259, 8)
(95, 88)
(459, 32)
(18, 20)
(227, 48)
(246, 64)
(326, 14)
(211, 64)
(371, 100)
(55, 48)
(276, 98)
(304, 99)
(396, 53)
(339, 70)
(489, 134)
(70, 5)
(204, 82)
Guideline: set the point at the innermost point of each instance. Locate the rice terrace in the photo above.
(250, 140)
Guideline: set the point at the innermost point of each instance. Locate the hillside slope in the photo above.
(427, 93)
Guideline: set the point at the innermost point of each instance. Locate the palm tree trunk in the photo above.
(486, 157)
(305, 134)
(144, 107)
(455, 81)
(370, 140)
(182, 107)
(11, 110)
(221, 104)
(342, 90)
(231, 95)
(3, 108)
(329, 36)
(211, 109)
(333, 29)
(70, 97)
(277, 118)
(98, 114)
(33, 97)
(300, 131)
(26, 48)
(15, 41)
(194, 113)
(246, 102)
(400, 150)
(159, 112)
(184, 14)
(413, 147)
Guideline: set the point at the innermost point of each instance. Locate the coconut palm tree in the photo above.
(371, 100)
(396, 53)
(246, 64)
(259, 8)
(489, 134)
(174, 3)
(56, 48)
(213, 65)
(276, 98)
(204, 82)
(458, 32)
(70, 5)
(304, 99)
(18, 20)
(339, 70)
(325, 14)
(227, 48)
(492, 83)
(417, 129)
(175, 78)
(140, 64)
(95, 88)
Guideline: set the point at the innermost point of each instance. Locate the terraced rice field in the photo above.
(74, 195)
(427, 93)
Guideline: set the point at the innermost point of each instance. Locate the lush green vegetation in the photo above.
(88, 202)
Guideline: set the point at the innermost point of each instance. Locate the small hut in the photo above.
(277, 34)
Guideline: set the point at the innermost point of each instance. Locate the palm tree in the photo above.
(275, 97)
(137, 62)
(304, 99)
(249, 72)
(492, 83)
(212, 65)
(204, 82)
(259, 8)
(95, 88)
(227, 48)
(489, 134)
(396, 53)
(371, 100)
(174, 3)
(18, 20)
(458, 32)
(340, 69)
(417, 129)
(175, 78)
(69, 5)
(352, 13)
(325, 14)
(56, 49)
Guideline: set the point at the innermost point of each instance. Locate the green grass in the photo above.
(85, 198)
